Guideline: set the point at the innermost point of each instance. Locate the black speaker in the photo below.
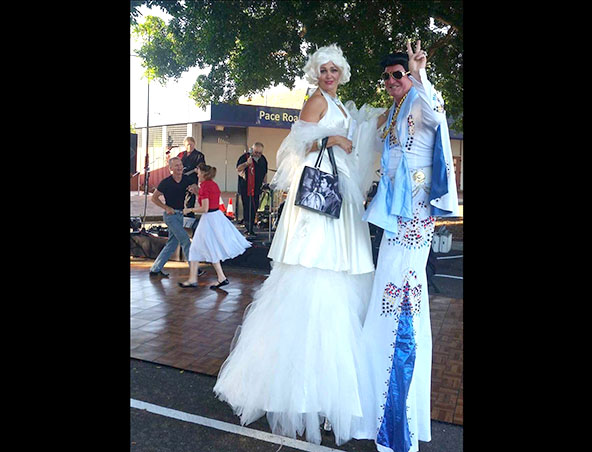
(133, 147)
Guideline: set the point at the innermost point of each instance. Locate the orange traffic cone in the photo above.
(221, 206)
(230, 210)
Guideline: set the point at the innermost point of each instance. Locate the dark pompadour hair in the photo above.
(395, 58)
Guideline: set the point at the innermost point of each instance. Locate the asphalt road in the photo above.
(190, 392)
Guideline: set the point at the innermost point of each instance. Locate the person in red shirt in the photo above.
(216, 238)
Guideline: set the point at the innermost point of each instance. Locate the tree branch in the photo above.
(446, 22)
(442, 41)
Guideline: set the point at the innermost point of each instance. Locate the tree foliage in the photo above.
(250, 45)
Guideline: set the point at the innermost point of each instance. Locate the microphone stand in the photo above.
(271, 215)
(251, 220)
(146, 159)
(146, 178)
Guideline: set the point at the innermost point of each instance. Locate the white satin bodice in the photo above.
(314, 240)
(333, 118)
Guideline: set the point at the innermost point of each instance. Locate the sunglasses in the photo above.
(396, 75)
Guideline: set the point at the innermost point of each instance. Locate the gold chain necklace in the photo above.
(394, 118)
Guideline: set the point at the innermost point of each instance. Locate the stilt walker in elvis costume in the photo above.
(416, 186)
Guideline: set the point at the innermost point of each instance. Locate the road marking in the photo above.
(448, 276)
(450, 257)
(231, 428)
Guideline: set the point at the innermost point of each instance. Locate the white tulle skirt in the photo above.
(216, 239)
(296, 355)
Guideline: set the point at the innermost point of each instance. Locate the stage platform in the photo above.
(148, 245)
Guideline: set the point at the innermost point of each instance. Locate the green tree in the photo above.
(250, 45)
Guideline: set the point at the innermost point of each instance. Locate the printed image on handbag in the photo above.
(317, 190)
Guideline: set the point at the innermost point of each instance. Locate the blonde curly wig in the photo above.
(323, 55)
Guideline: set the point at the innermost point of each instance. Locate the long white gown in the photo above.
(397, 339)
(296, 356)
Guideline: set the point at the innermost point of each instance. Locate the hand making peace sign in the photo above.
(417, 59)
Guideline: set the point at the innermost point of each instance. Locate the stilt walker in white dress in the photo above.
(297, 354)
(417, 185)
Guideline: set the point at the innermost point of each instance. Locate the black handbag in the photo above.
(317, 190)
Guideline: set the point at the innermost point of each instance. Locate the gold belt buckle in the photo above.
(419, 177)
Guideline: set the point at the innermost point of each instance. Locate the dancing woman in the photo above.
(216, 238)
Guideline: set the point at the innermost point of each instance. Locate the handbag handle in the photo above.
(331, 156)
(321, 151)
